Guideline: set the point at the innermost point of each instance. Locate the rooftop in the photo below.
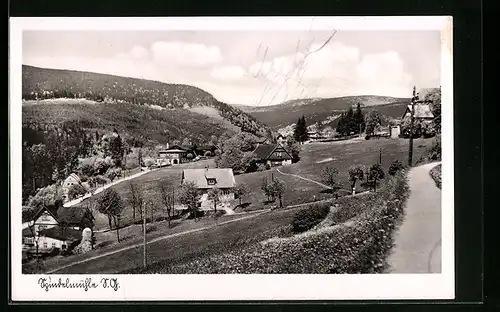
(264, 151)
(422, 110)
(224, 177)
(63, 234)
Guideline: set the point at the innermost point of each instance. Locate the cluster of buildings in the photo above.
(47, 228)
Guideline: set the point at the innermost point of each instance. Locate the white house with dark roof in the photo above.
(171, 156)
(71, 180)
(273, 155)
(422, 111)
(52, 228)
(209, 178)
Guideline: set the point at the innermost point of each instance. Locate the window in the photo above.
(63, 246)
(45, 217)
(44, 244)
(53, 245)
(278, 154)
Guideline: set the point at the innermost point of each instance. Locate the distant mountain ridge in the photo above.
(320, 109)
(42, 83)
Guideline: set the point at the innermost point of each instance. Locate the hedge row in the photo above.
(358, 240)
(436, 175)
(307, 218)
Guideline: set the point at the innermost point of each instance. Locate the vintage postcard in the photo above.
(263, 158)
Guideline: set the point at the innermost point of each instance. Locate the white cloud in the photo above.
(228, 72)
(139, 52)
(179, 54)
(335, 69)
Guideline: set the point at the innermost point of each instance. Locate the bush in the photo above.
(86, 169)
(436, 175)
(189, 156)
(309, 217)
(395, 167)
(113, 173)
(76, 191)
(433, 153)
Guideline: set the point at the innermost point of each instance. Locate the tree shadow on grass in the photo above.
(331, 190)
(243, 206)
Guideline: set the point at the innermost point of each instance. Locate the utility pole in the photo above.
(144, 229)
(380, 157)
(412, 115)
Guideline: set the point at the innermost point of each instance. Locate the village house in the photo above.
(51, 229)
(395, 132)
(263, 140)
(422, 111)
(315, 136)
(273, 155)
(209, 178)
(174, 155)
(72, 179)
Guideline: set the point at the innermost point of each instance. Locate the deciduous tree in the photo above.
(167, 192)
(214, 195)
(375, 173)
(136, 198)
(356, 172)
(330, 176)
(111, 205)
(190, 196)
(240, 190)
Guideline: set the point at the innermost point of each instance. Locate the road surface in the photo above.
(418, 241)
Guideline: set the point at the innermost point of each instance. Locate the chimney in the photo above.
(167, 146)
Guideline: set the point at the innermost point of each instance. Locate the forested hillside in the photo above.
(42, 83)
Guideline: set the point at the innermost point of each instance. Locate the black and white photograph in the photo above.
(232, 158)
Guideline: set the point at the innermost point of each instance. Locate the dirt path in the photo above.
(152, 241)
(306, 179)
(102, 188)
(418, 241)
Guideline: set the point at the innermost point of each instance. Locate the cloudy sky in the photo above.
(250, 67)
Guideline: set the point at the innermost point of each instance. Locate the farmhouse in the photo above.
(422, 111)
(315, 136)
(208, 178)
(50, 228)
(72, 179)
(261, 141)
(174, 155)
(58, 237)
(273, 155)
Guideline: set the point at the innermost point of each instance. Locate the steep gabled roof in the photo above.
(422, 110)
(174, 149)
(36, 212)
(265, 151)
(70, 215)
(261, 140)
(224, 177)
(75, 177)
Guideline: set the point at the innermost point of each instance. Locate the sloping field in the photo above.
(187, 247)
(348, 153)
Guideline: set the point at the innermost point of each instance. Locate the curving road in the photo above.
(418, 242)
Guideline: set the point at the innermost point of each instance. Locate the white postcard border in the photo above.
(238, 287)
